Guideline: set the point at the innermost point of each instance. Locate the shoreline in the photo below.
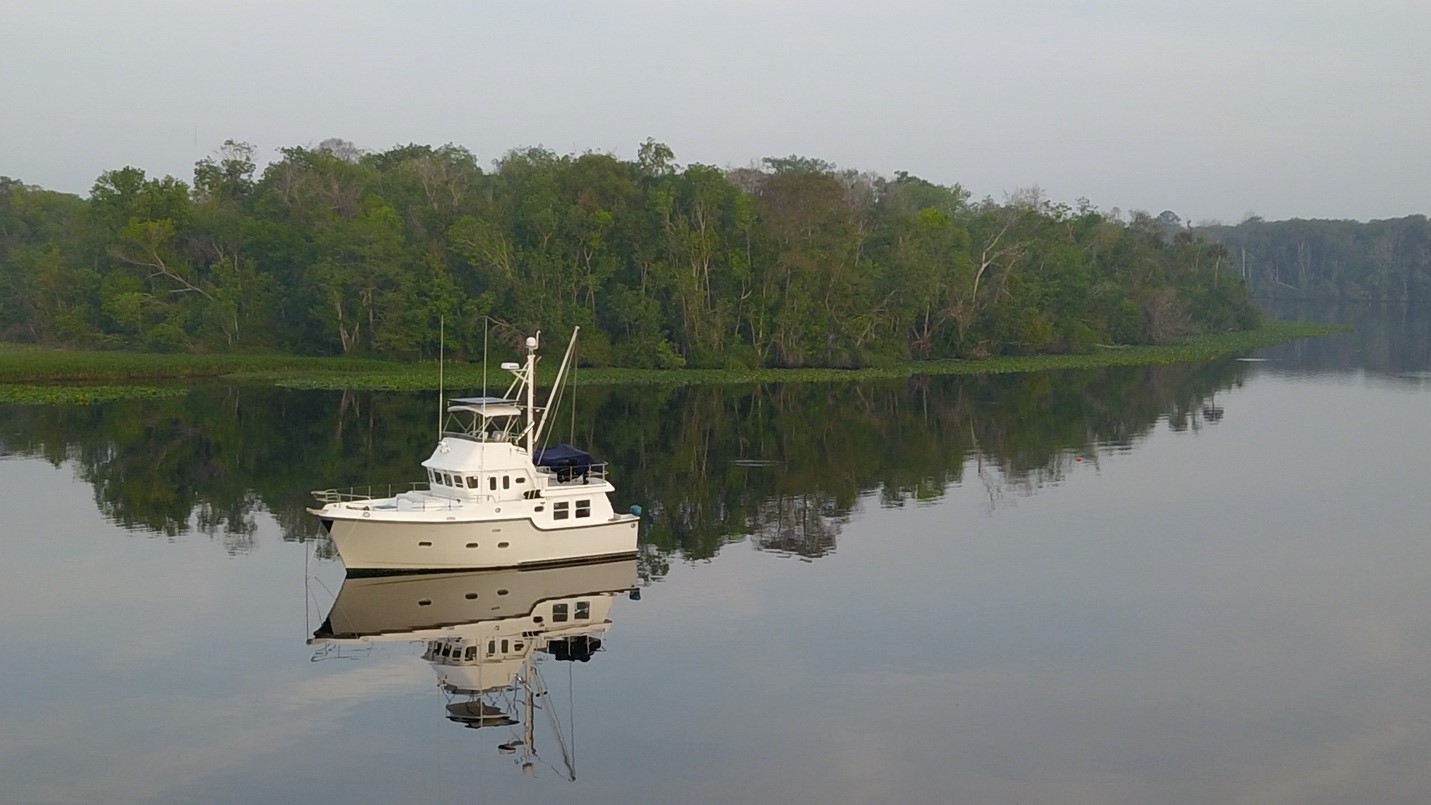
(33, 375)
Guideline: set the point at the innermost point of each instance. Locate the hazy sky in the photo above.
(1210, 108)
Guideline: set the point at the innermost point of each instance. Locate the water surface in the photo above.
(1200, 583)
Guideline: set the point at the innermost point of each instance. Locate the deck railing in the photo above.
(369, 492)
(574, 476)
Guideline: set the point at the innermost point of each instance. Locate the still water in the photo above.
(1200, 583)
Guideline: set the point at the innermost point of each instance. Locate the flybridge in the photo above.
(486, 406)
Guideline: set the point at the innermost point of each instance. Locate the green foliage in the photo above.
(334, 251)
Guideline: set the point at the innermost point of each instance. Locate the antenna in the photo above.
(441, 355)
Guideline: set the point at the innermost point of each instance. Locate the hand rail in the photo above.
(369, 492)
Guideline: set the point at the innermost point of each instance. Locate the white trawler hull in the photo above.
(375, 545)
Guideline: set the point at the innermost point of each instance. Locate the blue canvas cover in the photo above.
(563, 455)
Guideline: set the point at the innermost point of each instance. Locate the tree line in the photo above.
(792, 262)
(1386, 260)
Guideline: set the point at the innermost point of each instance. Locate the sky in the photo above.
(1214, 109)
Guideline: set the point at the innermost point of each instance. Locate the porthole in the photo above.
(503, 592)
(504, 545)
(472, 596)
(472, 545)
(424, 602)
(424, 544)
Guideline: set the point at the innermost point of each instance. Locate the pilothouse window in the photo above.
(560, 510)
(559, 612)
(583, 508)
(583, 610)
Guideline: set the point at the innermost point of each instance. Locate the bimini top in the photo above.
(486, 406)
(563, 455)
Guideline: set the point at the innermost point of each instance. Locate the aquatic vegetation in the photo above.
(39, 366)
(17, 394)
(423, 377)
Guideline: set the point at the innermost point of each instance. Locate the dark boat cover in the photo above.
(563, 455)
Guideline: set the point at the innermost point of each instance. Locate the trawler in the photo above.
(494, 496)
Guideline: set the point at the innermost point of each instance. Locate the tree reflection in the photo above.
(780, 465)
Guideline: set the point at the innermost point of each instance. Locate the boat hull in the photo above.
(374, 545)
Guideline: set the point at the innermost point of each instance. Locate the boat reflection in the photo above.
(487, 635)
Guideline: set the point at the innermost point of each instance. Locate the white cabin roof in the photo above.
(486, 406)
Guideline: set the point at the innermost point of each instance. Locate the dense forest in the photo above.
(1385, 261)
(333, 250)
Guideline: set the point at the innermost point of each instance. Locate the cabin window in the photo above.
(583, 508)
(560, 510)
(583, 610)
(559, 612)
(474, 482)
(492, 483)
(504, 647)
(506, 482)
(431, 477)
(470, 654)
(521, 479)
(491, 647)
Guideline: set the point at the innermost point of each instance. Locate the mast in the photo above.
(532, 342)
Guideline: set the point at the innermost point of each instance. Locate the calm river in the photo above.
(1188, 584)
